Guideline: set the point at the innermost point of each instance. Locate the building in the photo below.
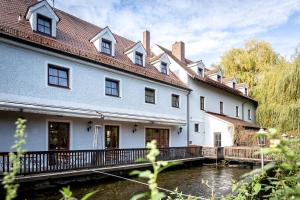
(219, 107)
(84, 87)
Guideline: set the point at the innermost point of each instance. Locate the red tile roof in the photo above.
(235, 121)
(205, 79)
(73, 38)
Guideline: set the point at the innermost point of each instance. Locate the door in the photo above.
(59, 136)
(111, 137)
(160, 135)
(218, 139)
(59, 139)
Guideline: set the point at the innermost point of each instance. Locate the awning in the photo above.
(87, 113)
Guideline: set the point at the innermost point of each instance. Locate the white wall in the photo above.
(25, 72)
(80, 138)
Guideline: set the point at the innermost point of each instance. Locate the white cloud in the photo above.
(207, 27)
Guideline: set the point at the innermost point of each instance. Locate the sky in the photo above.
(208, 28)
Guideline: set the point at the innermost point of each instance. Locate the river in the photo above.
(188, 180)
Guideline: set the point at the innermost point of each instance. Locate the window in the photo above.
(249, 114)
(233, 85)
(43, 25)
(163, 68)
(202, 100)
(149, 95)
(112, 87)
(138, 58)
(200, 71)
(175, 101)
(246, 91)
(196, 128)
(219, 78)
(58, 76)
(218, 139)
(58, 135)
(106, 47)
(236, 111)
(221, 107)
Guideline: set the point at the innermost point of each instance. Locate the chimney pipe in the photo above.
(146, 41)
(178, 50)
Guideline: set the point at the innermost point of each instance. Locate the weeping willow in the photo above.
(278, 93)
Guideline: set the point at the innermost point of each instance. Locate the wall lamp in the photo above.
(89, 125)
(179, 130)
(134, 128)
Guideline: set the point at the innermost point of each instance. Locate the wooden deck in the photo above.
(39, 165)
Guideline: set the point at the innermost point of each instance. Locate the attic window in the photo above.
(246, 91)
(219, 78)
(163, 68)
(138, 58)
(43, 25)
(200, 71)
(233, 85)
(106, 47)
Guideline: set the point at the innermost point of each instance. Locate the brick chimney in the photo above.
(178, 50)
(146, 41)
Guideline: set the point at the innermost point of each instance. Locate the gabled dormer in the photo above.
(198, 67)
(161, 63)
(215, 74)
(105, 42)
(137, 54)
(230, 81)
(42, 18)
(243, 88)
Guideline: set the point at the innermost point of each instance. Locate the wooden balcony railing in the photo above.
(54, 161)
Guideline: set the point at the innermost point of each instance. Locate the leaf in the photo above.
(88, 195)
(139, 196)
(256, 188)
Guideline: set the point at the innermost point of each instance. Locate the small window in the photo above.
(246, 91)
(175, 101)
(233, 85)
(58, 76)
(221, 107)
(149, 95)
(218, 139)
(106, 47)
(138, 58)
(196, 128)
(200, 71)
(219, 78)
(249, 114)
(164, 68)
(202, 101)
(236, 111)
(43, 25)
(112, 87)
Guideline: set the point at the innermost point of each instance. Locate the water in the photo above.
(188, 180)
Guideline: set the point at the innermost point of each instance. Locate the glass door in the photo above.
(59, 136)
(111, 137)
(160, 135)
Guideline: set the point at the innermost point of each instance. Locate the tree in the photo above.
(247, 63)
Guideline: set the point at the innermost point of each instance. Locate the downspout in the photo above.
(188, 118)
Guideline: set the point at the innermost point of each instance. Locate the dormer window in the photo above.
(246, 91)
(106, 47)
(219, 78)
(200, 71)
(138, 58)
(233, 85)
(43, 25)
(163, 68)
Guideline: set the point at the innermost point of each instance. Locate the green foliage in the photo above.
(9, 180)
(158, 166)
(279, 180)
(273, 81)
(68, 194)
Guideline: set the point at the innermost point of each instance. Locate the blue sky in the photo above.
(208, 28)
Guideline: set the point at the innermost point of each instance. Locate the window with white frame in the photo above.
(164, 68)
(175, 100)
(112, 87)
(106, 47)
(138, 58)
(149, 95)
(43, 25)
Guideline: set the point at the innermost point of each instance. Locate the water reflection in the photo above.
(187, 180)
